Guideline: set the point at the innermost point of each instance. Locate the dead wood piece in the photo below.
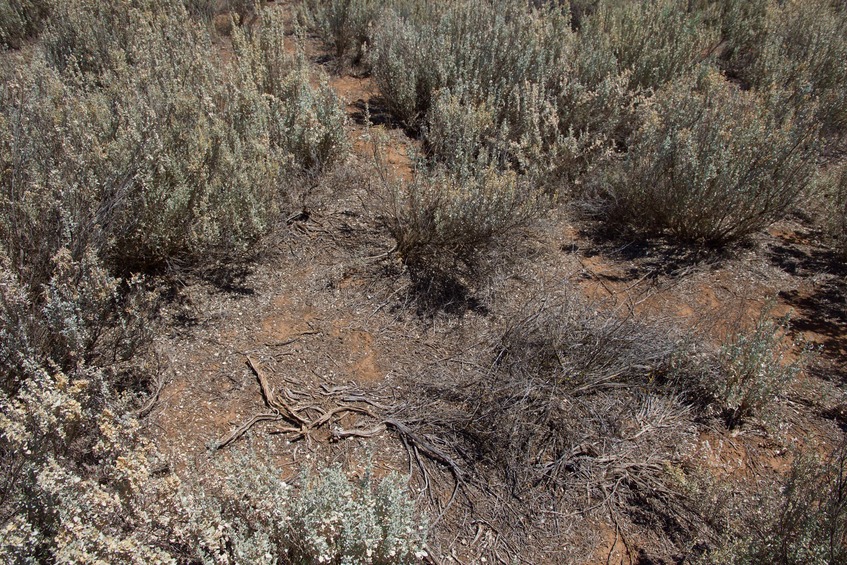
(240, 431)
(358, 432)
(270, 398)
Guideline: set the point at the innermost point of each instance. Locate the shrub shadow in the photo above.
(822, 311)
(645, 258)
(434, 292)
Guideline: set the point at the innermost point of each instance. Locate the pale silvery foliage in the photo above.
(250, 515)
(802, 47)
(710, 163)
(131, 138)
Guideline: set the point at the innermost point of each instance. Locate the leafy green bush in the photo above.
(255, 517)
(21, 19)
(711, 164)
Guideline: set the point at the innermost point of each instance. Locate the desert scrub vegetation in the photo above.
(709, 164)
(496, 83)
(128, 137)
(21, 20)
(797, 46)
(345, 26)
(540, 92)
(250, 515)
(750, 370)
(654, 41)
(126, 146)
(798, 518)
(832, 186)
(443, 223)
(75, 482)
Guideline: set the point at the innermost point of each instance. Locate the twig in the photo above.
(246, 426)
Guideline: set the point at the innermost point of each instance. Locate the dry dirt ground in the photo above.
(331, 319)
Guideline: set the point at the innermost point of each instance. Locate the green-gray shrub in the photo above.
(305, 120)
(498, 84)
(253, 516)
(62, 360)
(831, 186)
(488, 48)
(345, 26)
(709, 164)
(800, 47)
(749, 371)
(802, 519)
(20, 20)
(656, 41)
(441, 222)
(148, 149)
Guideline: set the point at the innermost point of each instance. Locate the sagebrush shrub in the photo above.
(20, 20)
(442, 222)
(799, 519)
(305, 121)
(252, 516)
(709, 164)
(345, 26)
(749, 371)
(63, 360)
(800, 47)
(656, 41)
(134, 140)
(833, 187)
(488, 48)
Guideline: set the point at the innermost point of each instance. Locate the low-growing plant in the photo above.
(75, 478)
(253, 516)
(486, 49)
(709, 164)
(656, 41)
(800, 519)
(241, 11)
(801, 47)
(499, 84)
(751, 370)
(832, 186)
(307, 121)
(134, 141)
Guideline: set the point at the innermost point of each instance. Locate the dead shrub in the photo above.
(569, 409)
